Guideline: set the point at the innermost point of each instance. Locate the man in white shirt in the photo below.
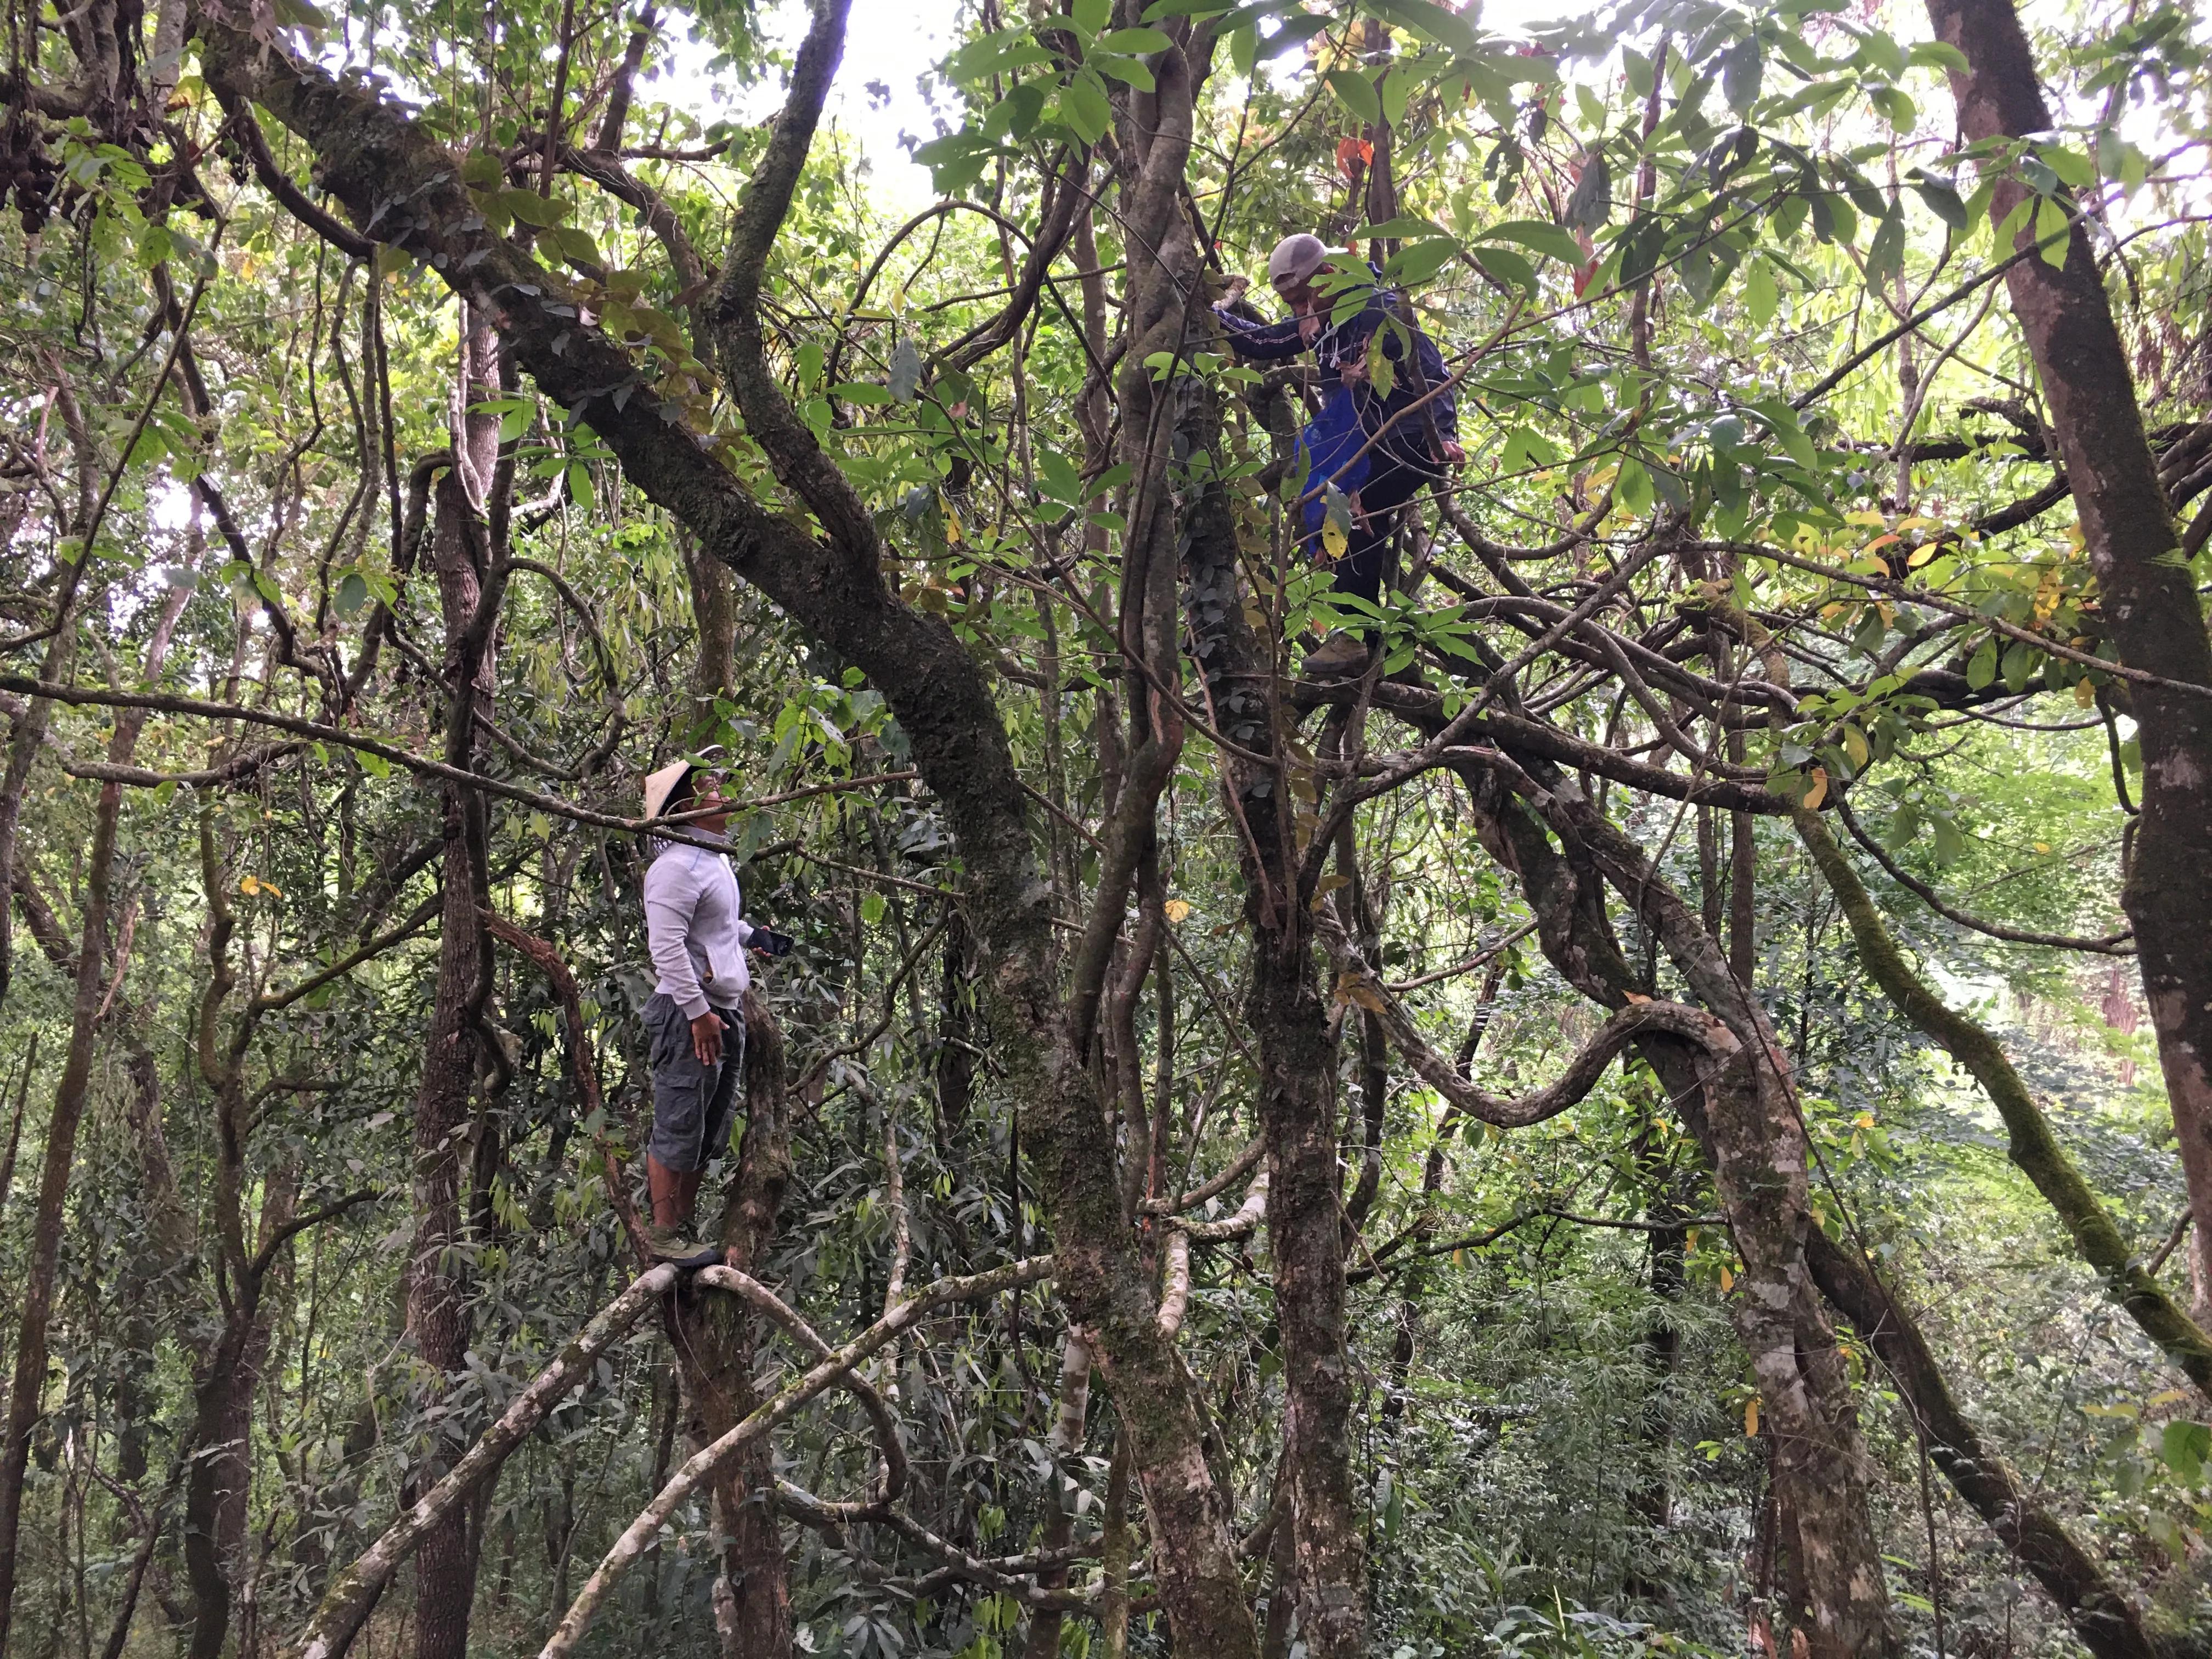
(694, 1018)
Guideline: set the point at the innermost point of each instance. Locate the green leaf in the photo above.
(1446, 27)
(2184, 1447)
(955, 160)
(482, 168)
(904, 382)
(1761, 295)
(855, 392)
(1982, 666)
(1525, 448)
(1896, 107)
(575, 244)
(1244, 49)
(1742, 72)
(1090, 16)
(353, 593)
(1632, 486)
(1132, 70)
(1534, 232)
(1418, 262)
(1506, 266)
(2053, 235)
(1356, 94)
(1083, 104)
(2072, 166)
(1135, 42)
(1949, 843)
(1938, 55)
(1592, 203)
(1396, 88)
(531, 208)
(1406, 228)
(1942, 197)
(1886, 253)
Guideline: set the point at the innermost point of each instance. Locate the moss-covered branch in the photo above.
(2030, 1143)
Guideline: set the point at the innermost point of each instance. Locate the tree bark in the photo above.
(1297, 1075)
(2102, 1614)
(27, 1390)
(2151, 612)
(716, 1339)
(1745, 1117)
(468, 589)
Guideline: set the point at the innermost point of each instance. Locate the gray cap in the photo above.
(1295, 258)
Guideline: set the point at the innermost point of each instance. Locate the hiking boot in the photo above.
(668, 1244)
(1339, 655)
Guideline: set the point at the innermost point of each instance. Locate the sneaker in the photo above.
(1340, 654)
(670, 1245)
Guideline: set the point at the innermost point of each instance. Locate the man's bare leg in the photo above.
(672, 1206)
(675, 1193)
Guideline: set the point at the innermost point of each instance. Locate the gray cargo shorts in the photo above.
(692, 1104)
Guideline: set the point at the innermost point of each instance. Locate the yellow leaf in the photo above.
(1727, 1282)
(2043, 846)
(1635, 996)
(952, 526)
(1921, 555)
(1751, 1416)
(2084, 694)
(1332, 538)
(1819, 792)
(1854, 745)
(1178, 911)
(1459, 1258)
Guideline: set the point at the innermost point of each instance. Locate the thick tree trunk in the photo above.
(2151, 611)
(1305, 1237)
(1298, 1092)
(27, 1390)
(1744, 1115)
(2102, 1613)
(469, 586)
(1578, 940)
(716, 1339)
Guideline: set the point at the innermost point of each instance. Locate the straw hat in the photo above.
(660, 785)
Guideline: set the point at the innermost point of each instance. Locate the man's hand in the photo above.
(707, 1038)
(1453, 455)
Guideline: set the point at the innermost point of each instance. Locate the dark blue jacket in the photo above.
(1346, 342)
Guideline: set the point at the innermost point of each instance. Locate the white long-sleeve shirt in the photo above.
(693, 931)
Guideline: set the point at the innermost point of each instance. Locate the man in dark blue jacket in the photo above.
(1375, 446)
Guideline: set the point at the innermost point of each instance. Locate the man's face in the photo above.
(706, 795)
